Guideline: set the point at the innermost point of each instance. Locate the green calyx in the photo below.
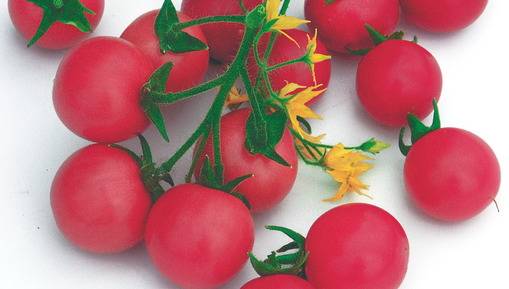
(71, 12)
(418, 129)
(377, 38)
(289, 259)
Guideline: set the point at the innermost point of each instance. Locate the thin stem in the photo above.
(169, 98)
(211, 19)
(286, 63)
(197, 155)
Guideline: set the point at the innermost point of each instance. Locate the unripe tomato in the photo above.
(278, 282)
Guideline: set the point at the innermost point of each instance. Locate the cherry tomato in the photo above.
(452, 174)
(97, 89)
(278, 282)
(397, 78)
(27, 16)
(341, 23)
(224, 38)
(188, 69)
(99, 200)
(271, 181)
(442, 15)
(284, 50)
(199, 237)
(356, 246)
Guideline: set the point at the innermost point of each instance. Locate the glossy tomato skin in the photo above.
(396, 78)
(442, 15)
(99, 200)
(189, 68)
(278, 282)
(224, 38)
(284, 50)
(452, 174)
(198, 237)
(341, 23)
(97, 89)
(271, 182)
(357, 246)
(27, 16)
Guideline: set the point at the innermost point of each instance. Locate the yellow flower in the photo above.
(312, 57)
(281, 22)
(235, 97)
(346, 166)
(378, 146)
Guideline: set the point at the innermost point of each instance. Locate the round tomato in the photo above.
(199, 237)
(223, 38)
(188, 69)
(452, 174)
(99, 200)
(26, 17)
(97, 89)
(356, 246)
(442, 15)
(278, 282)
(284, 50)
(341, 23)
(271, 181)
(397, 78)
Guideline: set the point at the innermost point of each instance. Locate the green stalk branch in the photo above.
(211, 19)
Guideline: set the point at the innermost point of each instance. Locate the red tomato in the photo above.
(199, 237)
(271, 182)
(285, 50)
(442, 15)
(224, 38)
(27, 16)
(278, 282)
(452, 174)
(97, 89)
(356, 246)
(397, 78)
(188, 69)
(99, 200)
(341, 23)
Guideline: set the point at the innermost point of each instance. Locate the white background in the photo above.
(34, 143)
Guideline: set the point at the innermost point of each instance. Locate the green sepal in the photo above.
(70, 12)
(375, 36)
(171, 39)
(256, 16)
(377, 39)
(132, 154)
(305, 124)
(419, 129)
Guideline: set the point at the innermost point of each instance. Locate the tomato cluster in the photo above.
(107, 199)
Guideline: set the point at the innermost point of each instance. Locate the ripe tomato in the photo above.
(356, 246)
(397, 78)
(452, 174)
(271, 182)
(341, 23)
(97, 89)
(285, 50)
(442, 15)
(199, 237)
(224, 38)
(278, 282)
(99, 200)
(188, 69)
(27, 16)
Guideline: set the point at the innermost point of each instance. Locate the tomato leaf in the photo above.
(170, 38)
(70, 12)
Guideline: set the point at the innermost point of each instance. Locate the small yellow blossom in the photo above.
(378, 146)
(235, 97)
(282, 22)
(312, 57)
(346, 166)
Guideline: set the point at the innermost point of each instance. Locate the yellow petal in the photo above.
(289, 88)
(272, 8)
(288, 22)
(317, 57)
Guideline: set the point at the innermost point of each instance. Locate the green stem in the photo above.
(211, 19)
(197, 155)
(286, 63)
(169, 98)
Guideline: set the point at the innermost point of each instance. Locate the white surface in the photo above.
(34, 143)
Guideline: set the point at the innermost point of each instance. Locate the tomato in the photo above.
(278, 282)
(356, 246)
(199, 237)
(97, 89)
(442, 15)
(27, 16)
(271, 181)
(99, 200)
(300, 73)
(397, 78)
(452, 174)
(189, 68)
(341, 23)
(223, 38)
